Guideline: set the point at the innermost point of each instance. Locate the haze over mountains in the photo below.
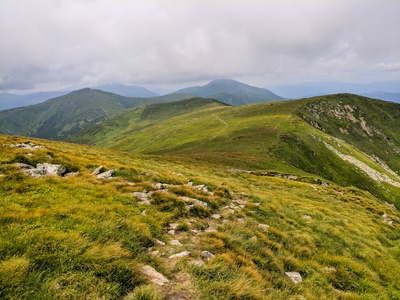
(228, 91)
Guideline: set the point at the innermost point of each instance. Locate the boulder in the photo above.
(106, 175)
(155, 276)
(295, 277)
(25, 166)
(207, 254)
(263, 226)
(71, 174)
(52, 170)
(182, 254)
(175, 243)
(98, 170)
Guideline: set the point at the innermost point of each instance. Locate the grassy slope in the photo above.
(267, 136)
(62, 116)
(79, 238)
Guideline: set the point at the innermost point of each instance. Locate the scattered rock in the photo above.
(197, 263)
(175, 243)
(194, 231)
(173, 226)
(200, 203)
(161, 186)
(71, 174)
(43, 170)
(216, 216)
(28, 146)
(143, 197)
(171, 232)
(155, 253)
(57, 286)
(263, 226)
(98, 170)
(182, 254)
(106, 175)
(160, 243)
(330, 269)
(143, 213)
(25, 166)
(253, 239)
(295, 277)
(155, 276)
(308, 217)
(207, 254)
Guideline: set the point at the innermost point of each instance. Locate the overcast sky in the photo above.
(54, 44)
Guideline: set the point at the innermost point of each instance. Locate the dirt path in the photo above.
(223, 130)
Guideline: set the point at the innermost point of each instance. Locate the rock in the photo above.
(171, 232)
(308, 217)
(330, 269)
(57, 286)
(155, 253)
(143, 213)
(98, 170)
(155, 276)
(160, 243)
(25, 166)
(216, 216)
(207, 254)
(263, 226)
(200, 203)
(182, 254)
(295, 277)
(175, 243)
(52, 170)
(173, 226)
(194, 232)
(106, 175)
(160, 186)
(253, 238)
(197, 263)
(189, 207)
(71, 174)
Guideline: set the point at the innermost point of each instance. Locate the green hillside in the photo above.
(271, 136)
(60, 117)
(79, 237)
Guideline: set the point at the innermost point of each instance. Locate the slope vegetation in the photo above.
(208, 232)
(280, 136)
(62, 116)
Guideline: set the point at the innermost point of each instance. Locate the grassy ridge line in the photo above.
(80, 238)
(277, 136)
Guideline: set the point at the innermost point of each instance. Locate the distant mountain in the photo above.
(394, 97)
(8, 100)
(232, 92)
(62, 116)
(125, 90)
(311, 89)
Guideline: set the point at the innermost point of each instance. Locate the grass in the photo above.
(81, 238)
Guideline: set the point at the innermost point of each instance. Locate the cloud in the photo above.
(84, 43)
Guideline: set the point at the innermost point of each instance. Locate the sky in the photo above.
(59, 44)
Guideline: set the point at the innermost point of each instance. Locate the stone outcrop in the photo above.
(25, 146)
(44, 169)
(295, 277)
(106, 175)
(155, 277)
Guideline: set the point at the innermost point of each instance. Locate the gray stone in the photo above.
(182, 254)
(155, 276)
(197, 263)
(207, 254)
(25, 166)
(171, 232)
(308, 217)
(173, 226)
(263, 226)
(295, 277)
(175, 243)
(200, 203)
(160, 243)
(52, 170)
(71, 174)
(98, 170)
(216, 216)
(106, 175)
